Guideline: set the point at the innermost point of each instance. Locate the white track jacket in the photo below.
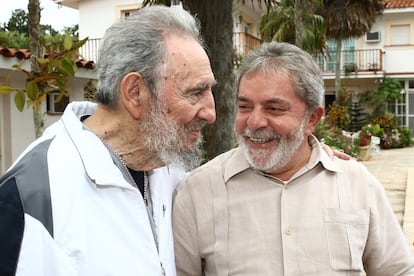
(68, 207)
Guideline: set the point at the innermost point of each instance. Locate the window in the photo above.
(127, 13)
(400, 34)
(348, 53)
(53, 107)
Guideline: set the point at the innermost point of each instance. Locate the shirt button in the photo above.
(289, 231)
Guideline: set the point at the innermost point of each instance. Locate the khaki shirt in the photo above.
(331, 218)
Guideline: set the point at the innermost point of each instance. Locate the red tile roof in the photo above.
(395, 4)
(25, 54)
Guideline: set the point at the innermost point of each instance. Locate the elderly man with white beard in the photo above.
(277, 204)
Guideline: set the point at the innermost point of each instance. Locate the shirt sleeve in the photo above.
(187, 257)
(387, 251)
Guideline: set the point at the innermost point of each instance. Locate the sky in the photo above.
(51, 14)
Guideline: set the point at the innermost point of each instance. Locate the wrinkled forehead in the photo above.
(263, 71)
(184, 56)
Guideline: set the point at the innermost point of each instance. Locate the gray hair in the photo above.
(285, 58)
(137, 45)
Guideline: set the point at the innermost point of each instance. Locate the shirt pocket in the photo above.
(347, 234)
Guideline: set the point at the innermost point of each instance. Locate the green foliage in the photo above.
(279, 25)
(337, 116)
(14, 40)
(386, 120)
(15, 33)
(18, 22)
(405, 136)
(373, 130)
(388, 91)
(334, 138)
(350, 68)
(53, 74)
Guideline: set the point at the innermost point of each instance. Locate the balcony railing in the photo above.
(89, 51)
(352, 61)
(242, 44)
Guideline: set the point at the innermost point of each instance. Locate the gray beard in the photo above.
(279, 157)
(165, 137)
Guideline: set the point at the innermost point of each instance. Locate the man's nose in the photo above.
(208, 111)
(256, 119)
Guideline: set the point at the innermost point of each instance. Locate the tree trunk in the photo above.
(217, 28)
(338, 69)
(299, 23)
(38, 122)
(35, 51)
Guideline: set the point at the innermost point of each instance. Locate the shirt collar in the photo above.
(237, 162)
(319, 155)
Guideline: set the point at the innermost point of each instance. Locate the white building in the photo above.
(387, 50)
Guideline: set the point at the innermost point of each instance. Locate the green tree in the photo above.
(14, 40)
(347, 19)
(46, 75)
(51, 75)
(15, 33)
(72, 30)
(299, 25)
(18, 22)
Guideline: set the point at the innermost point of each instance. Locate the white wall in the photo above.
(399, 60)
(95, 16)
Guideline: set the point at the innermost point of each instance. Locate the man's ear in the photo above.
(313, 120)
(133, 93)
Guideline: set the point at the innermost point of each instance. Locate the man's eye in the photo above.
(197, 93)
(276, 109)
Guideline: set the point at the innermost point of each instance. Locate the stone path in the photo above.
(394, 168)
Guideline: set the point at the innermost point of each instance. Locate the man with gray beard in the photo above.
(93, 195)
(278, 204)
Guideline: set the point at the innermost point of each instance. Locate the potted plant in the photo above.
(365, 136)
(373, 67)
(350, 67)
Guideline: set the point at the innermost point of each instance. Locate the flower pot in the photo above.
(364, 153)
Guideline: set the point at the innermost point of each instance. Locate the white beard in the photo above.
(275, 159)
(164, 136)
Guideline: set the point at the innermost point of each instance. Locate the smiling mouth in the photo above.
(259, 140)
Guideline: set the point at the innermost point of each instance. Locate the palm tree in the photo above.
(347, 19)
(297, 25)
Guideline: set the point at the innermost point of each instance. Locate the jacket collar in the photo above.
(92, 150)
